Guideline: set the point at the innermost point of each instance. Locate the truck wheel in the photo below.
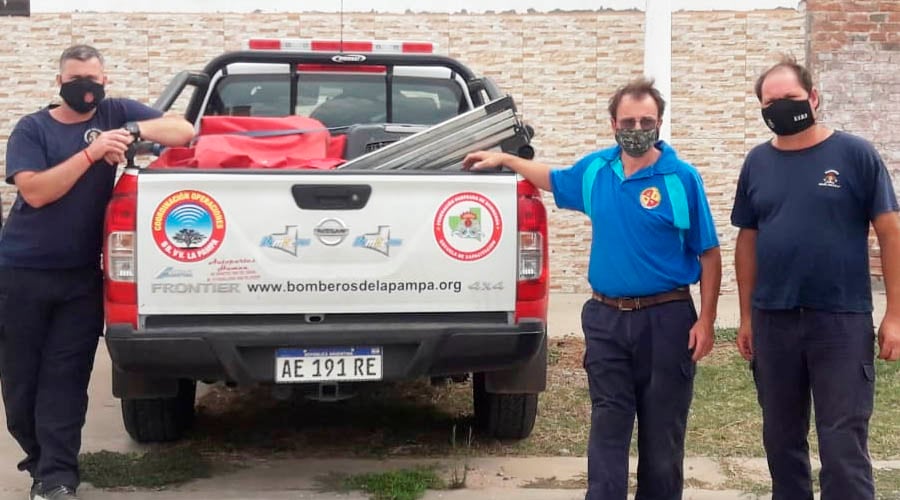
(503, 416)
(160, 419)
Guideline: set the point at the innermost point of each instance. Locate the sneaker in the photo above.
(36, 488)
(58, 493)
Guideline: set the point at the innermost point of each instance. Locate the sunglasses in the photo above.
(631, 123)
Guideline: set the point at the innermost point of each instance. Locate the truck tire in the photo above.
(503, 416)
(160, 419)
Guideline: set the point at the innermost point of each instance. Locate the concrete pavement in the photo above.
(489, 477)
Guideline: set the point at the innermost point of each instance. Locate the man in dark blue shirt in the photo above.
(62, 159)
(653, 236)
(804, 203)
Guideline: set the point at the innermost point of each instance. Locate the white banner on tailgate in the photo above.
(421, 243)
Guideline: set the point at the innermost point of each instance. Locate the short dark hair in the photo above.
(80, 53)
(789, 62)
(637, 88)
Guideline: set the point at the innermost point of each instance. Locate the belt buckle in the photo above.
(620, 304)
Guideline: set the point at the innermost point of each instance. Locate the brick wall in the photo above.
(560, 67)
(854, 51)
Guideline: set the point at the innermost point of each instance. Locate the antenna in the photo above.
(342, 26)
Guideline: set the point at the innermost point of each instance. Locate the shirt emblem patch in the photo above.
(651, 198)
(91, 134)
(831, 179)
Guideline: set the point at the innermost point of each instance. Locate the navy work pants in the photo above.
(807, 358)
(50, 322)
(638, 365)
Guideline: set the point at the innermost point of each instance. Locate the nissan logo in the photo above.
(331, 232)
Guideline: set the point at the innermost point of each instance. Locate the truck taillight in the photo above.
(534, 269)
(119, 252)
(531, 255)
(120, 257)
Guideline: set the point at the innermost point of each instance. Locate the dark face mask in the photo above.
(788, 117)
(636, 142)
(82, 94)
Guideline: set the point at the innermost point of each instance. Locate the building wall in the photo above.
(854, 52)
(560, 67)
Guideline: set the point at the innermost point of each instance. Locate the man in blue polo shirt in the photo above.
(62, 159)
(653, 236)
(804, 203)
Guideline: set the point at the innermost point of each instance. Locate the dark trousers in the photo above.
(804, 358)
(50, 322)
(638, 364)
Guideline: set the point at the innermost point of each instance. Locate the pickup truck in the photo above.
(276, 250)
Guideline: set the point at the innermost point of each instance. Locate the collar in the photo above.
(667, 163)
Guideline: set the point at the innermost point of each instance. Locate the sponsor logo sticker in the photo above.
(379, 241)
(188, 226)
(171, 272)
(287, 241)
(468, 226)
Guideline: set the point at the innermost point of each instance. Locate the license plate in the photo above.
(328, 364)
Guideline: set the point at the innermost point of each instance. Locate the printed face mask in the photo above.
(788, 117)
(82, 94)
(636, 142)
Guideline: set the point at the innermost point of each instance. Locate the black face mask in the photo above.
(788, 117)
(636, 142)
(82, 94)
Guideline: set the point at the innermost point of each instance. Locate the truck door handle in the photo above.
(331, 197)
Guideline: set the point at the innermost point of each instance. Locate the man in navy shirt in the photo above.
(62, 159)
(803, 205)
(653, 236)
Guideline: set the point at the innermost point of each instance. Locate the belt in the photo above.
(635, 303)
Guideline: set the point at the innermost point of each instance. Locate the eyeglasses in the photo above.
(631, 123)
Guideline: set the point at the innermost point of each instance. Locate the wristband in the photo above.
(88, 156)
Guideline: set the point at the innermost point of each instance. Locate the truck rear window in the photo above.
(339, 99)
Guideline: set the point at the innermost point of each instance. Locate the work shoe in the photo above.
(58, 493)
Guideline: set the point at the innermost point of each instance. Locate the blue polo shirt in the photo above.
(67, 233)
(636, 249)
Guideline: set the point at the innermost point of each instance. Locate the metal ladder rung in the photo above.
(455, 160)
(459, 147)
(441, 146)
(438, 142)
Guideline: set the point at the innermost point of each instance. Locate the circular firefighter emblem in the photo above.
(188, 226)
(650, 198)
(468, 226)
(91, 134)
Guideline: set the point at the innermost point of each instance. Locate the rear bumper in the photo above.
(245, 353)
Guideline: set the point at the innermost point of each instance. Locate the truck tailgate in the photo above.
(316, 243)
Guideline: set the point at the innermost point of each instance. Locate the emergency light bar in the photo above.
(310, 45)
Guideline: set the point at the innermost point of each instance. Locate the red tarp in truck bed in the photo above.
(221, 143)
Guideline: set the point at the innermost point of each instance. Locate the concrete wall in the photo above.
(561, 67)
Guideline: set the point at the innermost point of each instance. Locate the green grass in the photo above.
(887, 484)
(415, 419)
(152, 469)
(726, 421)
(403, 484)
